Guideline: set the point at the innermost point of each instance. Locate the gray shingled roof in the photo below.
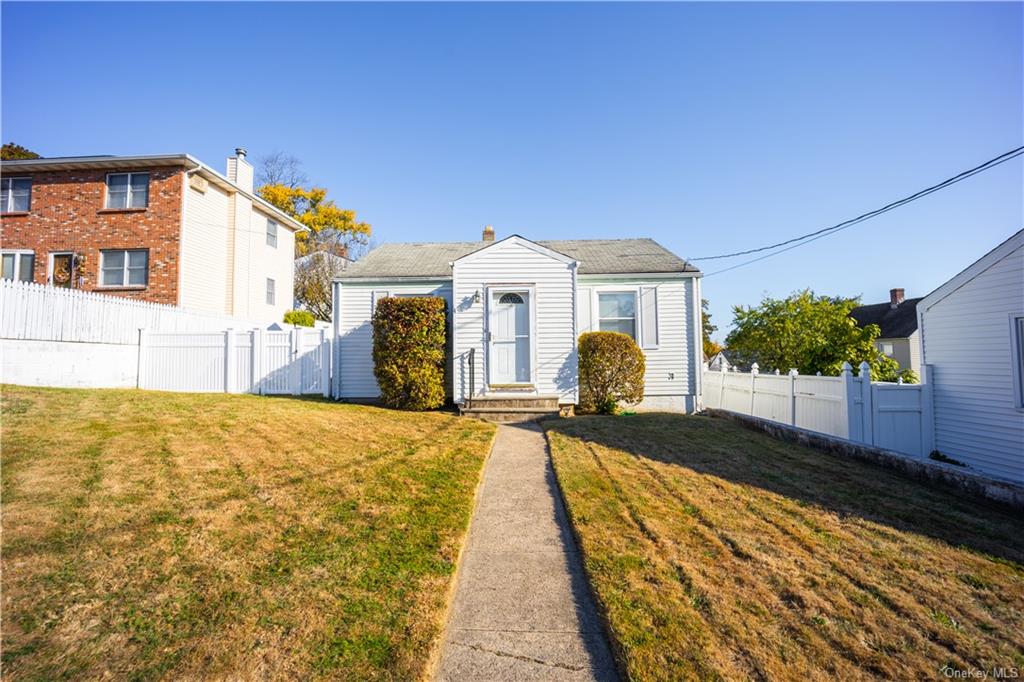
(896, 323)
(596, 257)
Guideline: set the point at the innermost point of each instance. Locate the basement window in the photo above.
(127, 190)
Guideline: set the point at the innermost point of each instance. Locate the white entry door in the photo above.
(509, 332)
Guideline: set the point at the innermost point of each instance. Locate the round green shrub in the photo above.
(408, 352)
(611, 371)
(302, 318)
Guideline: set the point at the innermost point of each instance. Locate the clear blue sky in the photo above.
(709, 127)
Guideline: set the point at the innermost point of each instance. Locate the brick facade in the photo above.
(67, 214)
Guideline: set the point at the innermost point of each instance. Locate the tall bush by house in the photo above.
(408, 352)
(611, 371)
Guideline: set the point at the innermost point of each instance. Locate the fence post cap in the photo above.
(776, 371)
(793, 372)
(847, 367)
(865, 368)
(754, 368)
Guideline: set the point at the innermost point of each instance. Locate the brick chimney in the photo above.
(488, 234)
(240, 170)
(895, 298)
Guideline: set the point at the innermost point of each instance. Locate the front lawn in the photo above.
(159, 535)
(716, 551)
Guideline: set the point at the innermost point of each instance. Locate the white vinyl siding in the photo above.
(514, 266)
(354, 356)
(204, 251)
(670, 369)
(127, 190)
(584, 318)
(15, 195)
(968, 346)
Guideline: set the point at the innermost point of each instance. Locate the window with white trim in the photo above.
(271, 233)
(124, 267)
(18, 265)
(127, 190)
(1018, 329)
(616, 312)
(271, 291)
(15, 195)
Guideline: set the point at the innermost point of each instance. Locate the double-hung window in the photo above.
(127, 190)
(271, 233)
(15, 195)
(271, 287)
(617, 312)
(124, 268)
(1017, 344)
(18, 265)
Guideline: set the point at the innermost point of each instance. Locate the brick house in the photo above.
(167, 229)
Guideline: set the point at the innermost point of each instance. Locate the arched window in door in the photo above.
(510, 298)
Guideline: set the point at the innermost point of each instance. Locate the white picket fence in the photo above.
(47, 313)
(295, 362)
(896, 417)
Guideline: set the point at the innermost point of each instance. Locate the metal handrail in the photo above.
(472, 377)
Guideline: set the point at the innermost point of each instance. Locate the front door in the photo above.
(509, 338)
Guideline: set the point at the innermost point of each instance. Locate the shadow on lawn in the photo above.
(716, 447)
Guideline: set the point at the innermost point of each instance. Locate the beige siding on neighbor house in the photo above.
(353, 374)
(266, 261)
(969, 348)
(510, 263)
(204, 251)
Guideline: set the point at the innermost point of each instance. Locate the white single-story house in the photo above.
(517, 308)
(972, 344)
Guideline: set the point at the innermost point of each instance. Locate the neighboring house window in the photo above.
(270, 291)
(617, 312)
(127, 190)
(887, 349)
(271, 233)
(16, 194)
(124, 268)
(18, 265)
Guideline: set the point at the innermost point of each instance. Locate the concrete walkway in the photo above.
(522, 609)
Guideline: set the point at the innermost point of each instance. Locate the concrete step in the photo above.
(508, 415)
(545, 402)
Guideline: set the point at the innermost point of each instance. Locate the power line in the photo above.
(824, 232)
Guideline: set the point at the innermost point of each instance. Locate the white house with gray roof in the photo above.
(517, 309)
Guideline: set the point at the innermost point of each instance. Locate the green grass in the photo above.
(719, 552)
(154, 535)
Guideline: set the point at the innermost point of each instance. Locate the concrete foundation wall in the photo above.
(68, 364)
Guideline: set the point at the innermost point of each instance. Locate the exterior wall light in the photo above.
(476, 296)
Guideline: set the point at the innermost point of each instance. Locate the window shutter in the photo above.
(583, 318)
(649, 317)
(377, 295)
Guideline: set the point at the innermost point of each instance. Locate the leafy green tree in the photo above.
(711, 348)
(811, 333)
(12, 151)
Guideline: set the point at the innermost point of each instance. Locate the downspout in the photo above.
(698, 348)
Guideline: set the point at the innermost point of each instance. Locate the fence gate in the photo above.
(293, 362)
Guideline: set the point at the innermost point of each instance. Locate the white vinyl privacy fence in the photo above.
(50, 336)
(892, 416)
(292, 362)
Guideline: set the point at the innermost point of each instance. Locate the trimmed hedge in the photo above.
(611, 371)
(302, 318)
(408, 352)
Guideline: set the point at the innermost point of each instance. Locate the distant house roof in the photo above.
(596, 257)
(896, 323)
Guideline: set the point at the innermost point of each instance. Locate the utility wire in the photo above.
(824, 232)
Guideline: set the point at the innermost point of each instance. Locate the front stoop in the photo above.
(514, 409)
